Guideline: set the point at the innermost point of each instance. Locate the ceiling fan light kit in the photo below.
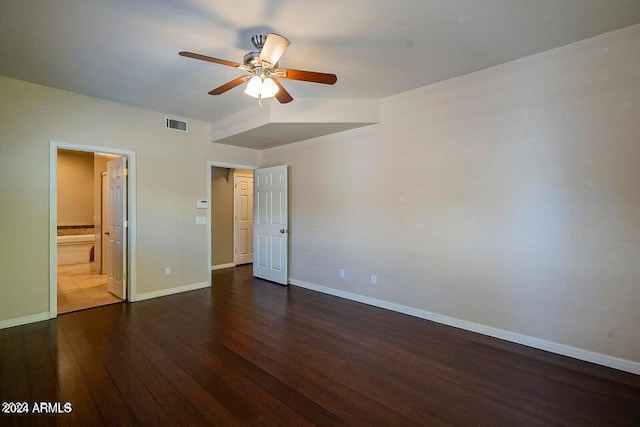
(264, 71)
(261, 89)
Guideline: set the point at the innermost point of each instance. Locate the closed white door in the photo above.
(271, 224)
(243, 218)
(117, 220)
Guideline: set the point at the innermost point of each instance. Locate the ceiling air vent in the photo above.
(175, 124)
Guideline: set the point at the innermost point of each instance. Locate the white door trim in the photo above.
(53, 216)
(210, 164)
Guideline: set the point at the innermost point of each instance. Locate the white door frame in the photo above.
(210, 164)
(53, 217)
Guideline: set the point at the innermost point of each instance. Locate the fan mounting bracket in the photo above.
(258, 41)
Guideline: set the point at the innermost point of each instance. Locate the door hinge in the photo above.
(125, 171)
(124, 276)
(125, 224)
(235, 250)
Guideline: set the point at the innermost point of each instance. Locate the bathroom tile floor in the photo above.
(80, 288)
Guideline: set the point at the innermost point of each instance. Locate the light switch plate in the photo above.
(201, 220)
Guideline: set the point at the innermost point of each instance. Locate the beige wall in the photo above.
(508, 197)
(75, 188)
(221, 216)
(171, 176)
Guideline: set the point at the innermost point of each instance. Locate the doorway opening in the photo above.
(268, 240)
(222, 232)
(231, 221)
(91, 209)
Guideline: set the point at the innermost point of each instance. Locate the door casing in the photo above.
(53, 216)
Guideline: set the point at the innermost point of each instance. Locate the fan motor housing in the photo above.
(251, 58)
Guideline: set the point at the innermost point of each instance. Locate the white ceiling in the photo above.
(127, 50)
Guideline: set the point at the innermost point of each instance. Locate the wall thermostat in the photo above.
(202, 204)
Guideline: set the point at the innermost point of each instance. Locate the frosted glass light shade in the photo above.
(258, 88)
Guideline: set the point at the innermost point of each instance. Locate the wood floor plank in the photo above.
(177, 408)
(1, 357)
(524, 391)
(365, 354)
(246, 399)
(43, 376)
(109, 400)
(211, 411)
(249, 352)
(73, 386)
(134, 392)
(510, 387)
(15, 386)
(279, 377)
(346, 398)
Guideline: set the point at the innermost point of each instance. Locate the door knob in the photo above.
(282, 230)
(107, 233)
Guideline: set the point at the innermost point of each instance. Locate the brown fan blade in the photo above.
(209, 59)
(307, 76)
(273, 48)
(282, 96)
(229, 85)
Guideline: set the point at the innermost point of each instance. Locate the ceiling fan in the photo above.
(262, 66)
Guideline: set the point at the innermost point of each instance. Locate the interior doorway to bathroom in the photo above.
(90, 214)
(83, 257)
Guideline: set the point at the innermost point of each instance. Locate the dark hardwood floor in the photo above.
(249, 352)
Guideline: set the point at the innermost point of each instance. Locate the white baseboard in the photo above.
(221, 266)
(171, 291)
(565, 350)
(17, 321)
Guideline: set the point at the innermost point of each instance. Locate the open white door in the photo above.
(243, 218)
(117, 221)
(104, 225)
(271, 232)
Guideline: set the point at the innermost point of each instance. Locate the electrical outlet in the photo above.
(342, 273)
(374, 279)
(167, 271)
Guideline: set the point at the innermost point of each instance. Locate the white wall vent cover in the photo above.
(175, 124)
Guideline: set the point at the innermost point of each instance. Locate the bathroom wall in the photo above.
(75, 188)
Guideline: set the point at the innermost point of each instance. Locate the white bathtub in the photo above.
(75, 249)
